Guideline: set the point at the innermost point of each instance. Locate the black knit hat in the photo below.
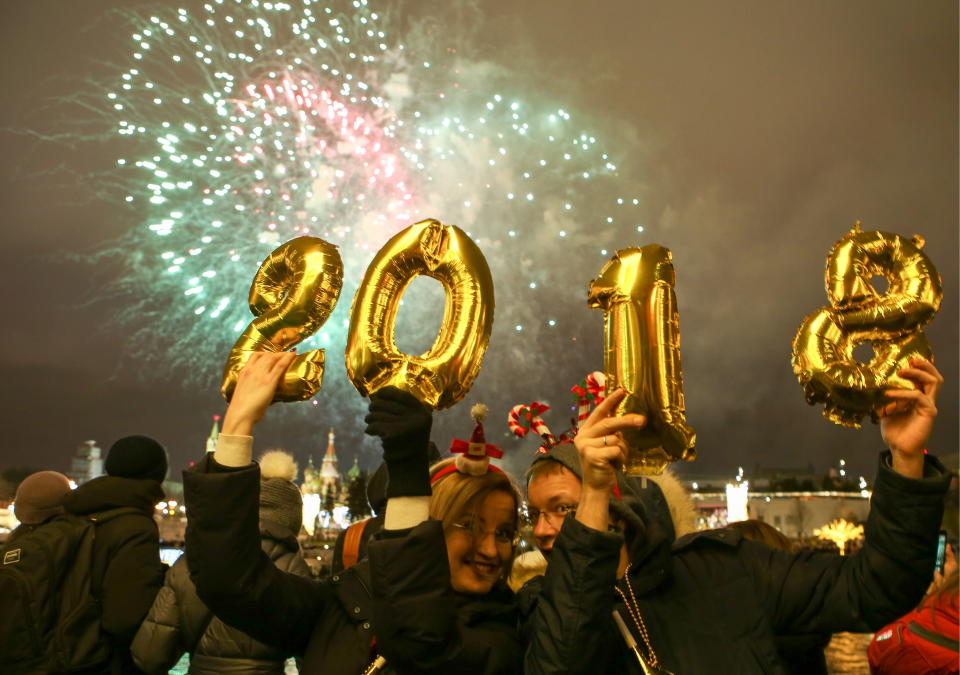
(138, 457)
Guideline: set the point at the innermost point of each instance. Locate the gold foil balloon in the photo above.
(891, 321)
(292, 295)
(642, 354)
(444, 374)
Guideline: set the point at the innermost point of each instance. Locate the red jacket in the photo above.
(921, 642)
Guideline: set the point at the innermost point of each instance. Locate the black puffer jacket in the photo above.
(712, 602)
(126, 556)
(330, 624)
(178, 617)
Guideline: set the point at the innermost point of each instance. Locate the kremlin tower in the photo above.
(214, 434)
(329, 475)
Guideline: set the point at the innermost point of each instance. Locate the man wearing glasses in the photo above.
(712, 602)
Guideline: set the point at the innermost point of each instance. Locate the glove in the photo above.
(403, 424)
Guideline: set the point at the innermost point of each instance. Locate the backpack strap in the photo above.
(351, 543)
(936, 638)
(101, 517)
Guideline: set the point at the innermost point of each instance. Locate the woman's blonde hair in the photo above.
(458, 494)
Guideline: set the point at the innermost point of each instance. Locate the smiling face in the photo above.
(551, 494)
(480, 543)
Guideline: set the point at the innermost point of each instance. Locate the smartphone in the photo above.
(941, 551)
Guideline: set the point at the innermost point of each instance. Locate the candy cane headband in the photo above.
(524, 418)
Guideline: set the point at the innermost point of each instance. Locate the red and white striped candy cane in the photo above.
(523, 418)
(589, 393)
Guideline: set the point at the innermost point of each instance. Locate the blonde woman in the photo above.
(430, 599)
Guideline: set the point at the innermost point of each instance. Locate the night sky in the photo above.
(756, 133)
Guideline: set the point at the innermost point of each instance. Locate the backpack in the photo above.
(51, 617)
(351, 543)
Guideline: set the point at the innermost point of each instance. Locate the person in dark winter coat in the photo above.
(402, 604)
(712, 602)
(179, 622)
(126, 566)
(801, 654)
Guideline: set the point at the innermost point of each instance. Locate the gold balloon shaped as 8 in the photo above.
(444, 374)
(292, 295)
(892, 322)
(642, 354)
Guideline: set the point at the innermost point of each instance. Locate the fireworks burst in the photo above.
(255, 122)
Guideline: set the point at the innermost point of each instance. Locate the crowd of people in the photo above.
(622, 583)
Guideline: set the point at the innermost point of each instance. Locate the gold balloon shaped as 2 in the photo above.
(291, 296)
(444, 374)
(891, 322)
(642, 354)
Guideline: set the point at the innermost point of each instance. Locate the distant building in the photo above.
(214, 434)
(792, 500)
(86, 463)
(324, 488)
(355, 471)
(311, 478)
(329, 475)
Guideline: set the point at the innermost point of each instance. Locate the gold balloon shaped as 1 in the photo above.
(642, 354)
(444, 374)
(292, 295)
(891, 322)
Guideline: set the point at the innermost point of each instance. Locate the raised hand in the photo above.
(907, 420)
(602, 451)
(403, 425)
(256, 385)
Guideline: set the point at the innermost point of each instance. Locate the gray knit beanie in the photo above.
(280, 499)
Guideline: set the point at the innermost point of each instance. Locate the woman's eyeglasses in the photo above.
(471, 528)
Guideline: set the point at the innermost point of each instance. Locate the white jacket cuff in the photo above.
(405, 512)
(234, 450)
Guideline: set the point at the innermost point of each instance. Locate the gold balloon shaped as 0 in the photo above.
(891, 321)
(642, 354)
(292, 295)
(444, 374)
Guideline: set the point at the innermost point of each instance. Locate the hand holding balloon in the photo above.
(892, 322)
(292, 294)
(642, 354)
(906, 421)
(256, 387)
(602, 449)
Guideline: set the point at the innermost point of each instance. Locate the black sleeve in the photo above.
(569, 622)
(808, 593)
(420, 628)
(233, 576)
